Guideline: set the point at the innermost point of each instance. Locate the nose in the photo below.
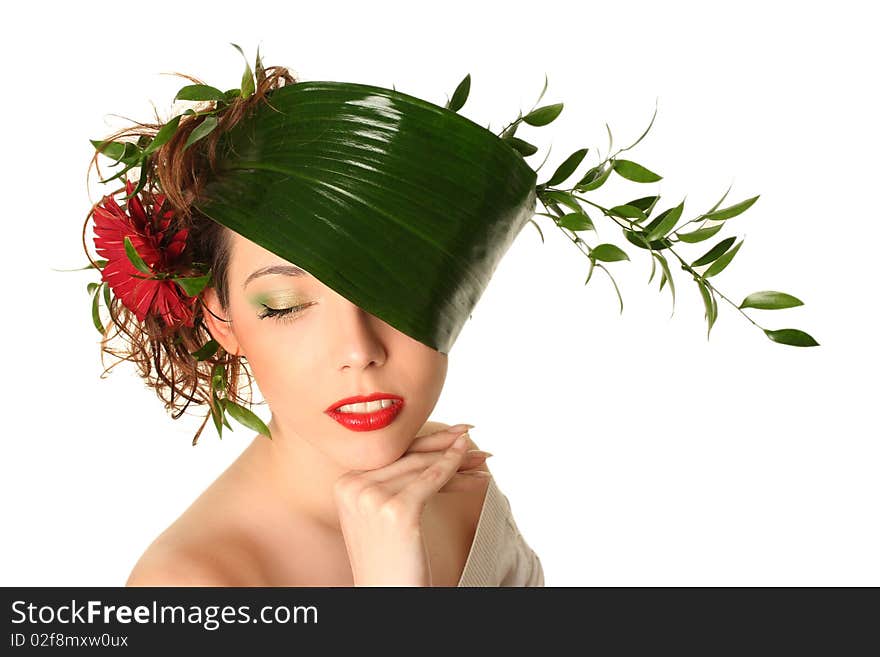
(355, 336)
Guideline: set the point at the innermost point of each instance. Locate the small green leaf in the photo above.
(247, 78)
(460, 95)
(699, 235)
(206, 351)
(628, 211)
(121, 151)
(565, 198)
(576, 221)
(216, 412)
(667, 221)
(770, 300)
(733, 210)
(201, 130)
(200, 92)
(594, 178)
(107, 295)
(135, 258)
(543, 115)
(91, 287)
(564, 170)
(246, 417)
(96, 317)
(194, 284)
(645, 204)
(223, 404)
(217, 377)
(708, 303)
(638, 238)
(668, 276)
(524, 147)
(712, 254)
(540, 232)
(165, 133)
(723, 261)
(635, 172)
(230, 95)
(608, 253)
(793, 337)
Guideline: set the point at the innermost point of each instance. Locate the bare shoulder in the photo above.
(162, 565)
(204, 546)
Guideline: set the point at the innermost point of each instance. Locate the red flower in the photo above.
(137, 291)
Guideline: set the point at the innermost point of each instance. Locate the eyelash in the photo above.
(279, 313)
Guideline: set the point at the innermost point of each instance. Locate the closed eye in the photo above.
(280, 313)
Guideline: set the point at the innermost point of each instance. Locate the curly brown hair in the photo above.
(161, 353)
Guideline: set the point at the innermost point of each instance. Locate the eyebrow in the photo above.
(287, 270)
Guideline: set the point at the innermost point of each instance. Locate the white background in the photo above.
(633, 451)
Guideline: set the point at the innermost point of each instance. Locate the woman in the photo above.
(314, 506)
(323, 495)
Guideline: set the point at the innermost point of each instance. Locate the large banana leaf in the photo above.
(401, 206)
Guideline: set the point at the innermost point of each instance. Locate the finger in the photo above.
(413, 463)
(472, 460)
(438, 440)
(435, 476)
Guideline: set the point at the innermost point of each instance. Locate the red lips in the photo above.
(363, 398)
(366, 421)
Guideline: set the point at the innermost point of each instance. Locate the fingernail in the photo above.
(479, 453)
(477, 473)
(460, 427)
(460, 442)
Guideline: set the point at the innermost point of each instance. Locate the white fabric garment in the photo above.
(499, 554)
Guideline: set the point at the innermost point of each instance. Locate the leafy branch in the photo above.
(566, 207)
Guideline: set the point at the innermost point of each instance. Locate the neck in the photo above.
(301, 475)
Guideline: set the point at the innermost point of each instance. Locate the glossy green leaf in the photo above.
(770, 300)
(628, 211)
(635, 172)
(715, 252)
(733, 210)
(576, 221)
(206, 350)
(540, 232)
(660, 257)
(543, 115)
(664, 222)
(564, 170)
(460, 94)
(699, 235)
(120, 151)
(107, 295)
(91, 287)
(224, 403)
(793, 337)
(247, 78)
(202, 130)
(524, 147)
(638, 238)
(216, 413)
(200, 92)
(565, 198)
(96, 316)
(300, 172)
(708, 304)
(722, 262)
(645, 204)
(194, 284)
(246, 417)
(135, 258)
(594, 178)
(608, 253)
(165, 133)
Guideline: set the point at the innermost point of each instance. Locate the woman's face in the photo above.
(327, 349)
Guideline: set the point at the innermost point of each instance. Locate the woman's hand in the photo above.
(380, 511)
